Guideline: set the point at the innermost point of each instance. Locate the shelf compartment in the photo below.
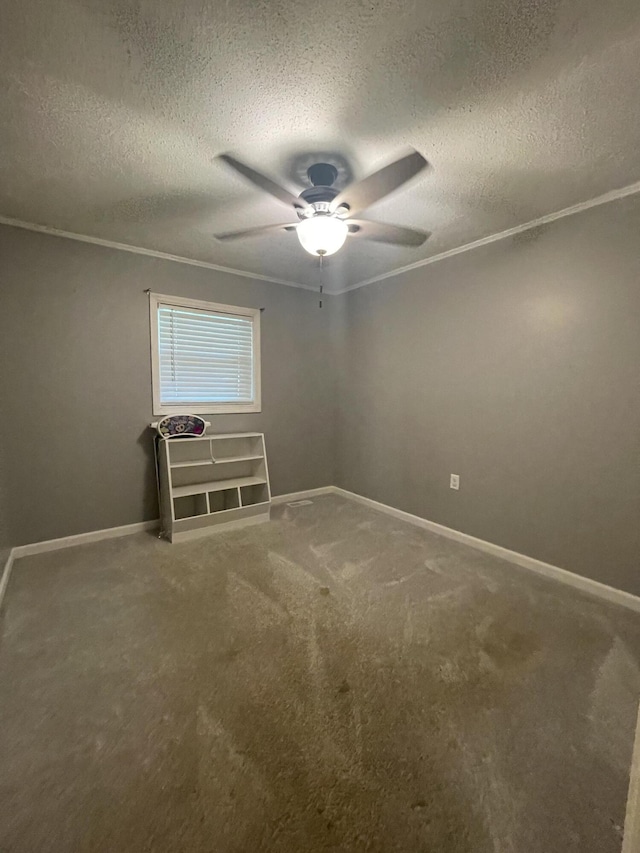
(192, 463)
(216, 485)
(227, 469)
(244, 447)
(252, 494)
(190, 506)
(224, 499)
(184, 452)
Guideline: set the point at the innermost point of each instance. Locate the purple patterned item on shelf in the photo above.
(181, 426)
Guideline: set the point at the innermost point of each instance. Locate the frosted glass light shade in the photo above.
(322, 234)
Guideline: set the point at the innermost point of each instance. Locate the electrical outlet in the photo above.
(454, 482)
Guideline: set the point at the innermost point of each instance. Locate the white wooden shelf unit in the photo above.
(211, 481)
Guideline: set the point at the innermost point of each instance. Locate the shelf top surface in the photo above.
(209, 436)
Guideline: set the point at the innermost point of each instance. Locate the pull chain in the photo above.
(321, 282)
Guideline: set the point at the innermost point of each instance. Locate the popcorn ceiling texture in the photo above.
(114, 110)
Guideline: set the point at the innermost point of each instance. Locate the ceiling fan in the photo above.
(325, 214)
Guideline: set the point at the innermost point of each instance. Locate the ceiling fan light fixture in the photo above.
(322, 234)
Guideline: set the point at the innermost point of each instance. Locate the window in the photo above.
(205, 358)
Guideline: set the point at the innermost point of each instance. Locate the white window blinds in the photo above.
(205, 357)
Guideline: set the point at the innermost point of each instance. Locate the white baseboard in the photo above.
(82, 538)
(308, 493)
(609, 593)
(6, 574)
(127, 529)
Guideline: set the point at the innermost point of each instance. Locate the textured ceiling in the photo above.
(113, 111)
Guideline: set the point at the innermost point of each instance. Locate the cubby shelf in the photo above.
(212, 481)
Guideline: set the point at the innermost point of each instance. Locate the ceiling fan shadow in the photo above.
(177, 206)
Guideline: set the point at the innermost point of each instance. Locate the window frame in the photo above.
(228, 408)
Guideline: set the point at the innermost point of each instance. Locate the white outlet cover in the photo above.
(454, 482)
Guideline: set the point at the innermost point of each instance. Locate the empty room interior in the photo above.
(320, 434)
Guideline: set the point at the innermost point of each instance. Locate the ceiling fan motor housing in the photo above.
(322, 193)
(322, 174)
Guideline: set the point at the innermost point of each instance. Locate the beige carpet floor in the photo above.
(335, 680)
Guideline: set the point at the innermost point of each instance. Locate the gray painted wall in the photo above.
(516, 366)
(5, 536)
(74, 349)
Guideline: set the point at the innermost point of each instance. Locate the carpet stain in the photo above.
(508, 646)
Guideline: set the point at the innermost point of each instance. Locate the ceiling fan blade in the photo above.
(264, 183)
(256, 232)
(364, 193)
(383, 233)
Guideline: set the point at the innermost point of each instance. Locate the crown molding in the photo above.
(152, 253)
(605, 198)
(614, 195)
